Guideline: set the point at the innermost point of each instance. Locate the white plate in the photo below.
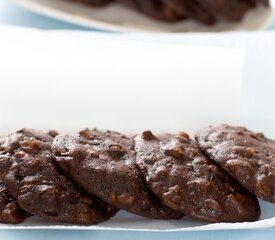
(56, 80)
(116, 17)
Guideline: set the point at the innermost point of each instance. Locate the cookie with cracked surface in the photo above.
(31, 177)
(186, 180)
(249, 157)
(103, 163)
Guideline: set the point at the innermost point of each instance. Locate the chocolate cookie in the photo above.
(155, 9)
(232, 10)
(10, 212)
(31, 177)
(191, 9)
(205, 11)
(103, 163)
(263, 2)
(249, 157)
(186, 180)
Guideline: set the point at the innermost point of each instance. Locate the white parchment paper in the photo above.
(67, 82)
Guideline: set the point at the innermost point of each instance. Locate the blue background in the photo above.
(95, 235)
(14, 15)
(11, 14)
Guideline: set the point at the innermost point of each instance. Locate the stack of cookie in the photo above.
(205, 11)
(87, 177)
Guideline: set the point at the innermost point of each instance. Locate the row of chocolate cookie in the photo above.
(205, 11)
(158, 176)
(40, 181)
(33, 183)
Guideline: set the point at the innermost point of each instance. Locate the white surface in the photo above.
(68, 81)
(115, 17)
